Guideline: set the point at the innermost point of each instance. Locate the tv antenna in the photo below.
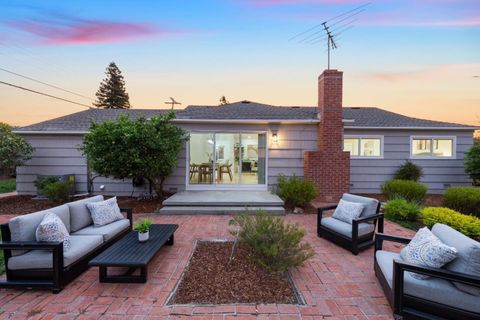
(329, 30)
(172, 102)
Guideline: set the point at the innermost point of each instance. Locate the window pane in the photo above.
(370, 147)
(351, 145)
(442, 147)
(421, 147)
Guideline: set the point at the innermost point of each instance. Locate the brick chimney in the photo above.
(329, 167)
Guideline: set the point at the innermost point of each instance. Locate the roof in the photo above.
(242, 112)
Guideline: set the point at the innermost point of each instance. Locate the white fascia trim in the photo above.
(414, 128)
(246, 121)
(51, 132)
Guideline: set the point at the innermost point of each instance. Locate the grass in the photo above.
(7, 185)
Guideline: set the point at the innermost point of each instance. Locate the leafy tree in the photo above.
(128, 148)
(472, 163)
(14, 149)
(112, 94)
(223, 101)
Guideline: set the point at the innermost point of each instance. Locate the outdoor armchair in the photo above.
(356, 236)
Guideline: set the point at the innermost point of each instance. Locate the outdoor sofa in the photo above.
(358, 235)
(438, 297)
(32, 264)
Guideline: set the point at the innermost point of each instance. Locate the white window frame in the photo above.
(215, 186)
(454, 147)
(365, 136)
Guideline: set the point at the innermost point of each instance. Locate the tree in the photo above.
(128, 148)
(14, 149)
(223, 101)
(472, 163)
(112, 94)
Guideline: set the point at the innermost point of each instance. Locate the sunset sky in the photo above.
(420, 58)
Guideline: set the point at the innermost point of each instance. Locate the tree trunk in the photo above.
(157, 184)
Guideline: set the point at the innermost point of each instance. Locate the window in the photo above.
(432, 147)
(364, 147)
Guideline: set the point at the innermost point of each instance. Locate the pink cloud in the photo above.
(71, 30)
(427, 72)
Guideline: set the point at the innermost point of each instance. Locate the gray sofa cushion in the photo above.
(107, 231)
(346, 228)
(42, 259)
(23, 228)
(468, 256)
(79, 215)
(369, 203)
(432, 289)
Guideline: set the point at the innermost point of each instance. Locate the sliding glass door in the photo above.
(227, 159)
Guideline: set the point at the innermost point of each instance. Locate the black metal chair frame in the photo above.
(406, 306)
(58, 276)
(356, 243)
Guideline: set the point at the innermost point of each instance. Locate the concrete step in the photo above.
(224, 198)
(278, 210)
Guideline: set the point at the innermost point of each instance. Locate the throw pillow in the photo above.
(425, 249)
(53, 229)
(104, 212)
(347, 211)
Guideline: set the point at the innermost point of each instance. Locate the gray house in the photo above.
(247, 145)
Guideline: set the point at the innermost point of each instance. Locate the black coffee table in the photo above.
(129, 252)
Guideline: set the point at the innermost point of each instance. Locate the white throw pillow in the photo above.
(104, 212)
(425, 249)
(347, 211)
(53, 229)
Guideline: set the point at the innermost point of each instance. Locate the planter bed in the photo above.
(211, 278)
(23, 204)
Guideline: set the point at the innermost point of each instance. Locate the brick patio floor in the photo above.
(335, 284)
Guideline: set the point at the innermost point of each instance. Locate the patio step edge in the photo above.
(219, 210)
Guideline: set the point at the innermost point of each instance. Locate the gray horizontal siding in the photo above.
(59, 154)
(367, 175)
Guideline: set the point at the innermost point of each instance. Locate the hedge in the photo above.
(406, 189)
(463, 199)
(466, 224)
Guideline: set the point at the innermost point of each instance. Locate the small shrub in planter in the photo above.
(295, 191)
(409, 171)
(276, 245)
(55, 190)
(466, 224)
(406, 189)
(401, 210)
(463, 199)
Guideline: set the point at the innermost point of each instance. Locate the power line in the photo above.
(44, 83)
(44, 94)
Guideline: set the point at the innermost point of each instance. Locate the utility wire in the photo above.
(44, 94)
(334, 18)
(44, 83)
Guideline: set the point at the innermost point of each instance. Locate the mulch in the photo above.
(23, 204)
(211, 278)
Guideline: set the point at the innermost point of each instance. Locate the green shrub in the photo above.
(463, 199)
(401, 210)
(409, 171)
(406, 189)
(472, 162)
(468, 225)
(276, 245)
(55, 190)
(296, 192)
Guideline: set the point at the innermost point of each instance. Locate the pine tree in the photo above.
(112, 94)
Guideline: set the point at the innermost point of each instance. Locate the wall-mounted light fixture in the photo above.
(274, 136)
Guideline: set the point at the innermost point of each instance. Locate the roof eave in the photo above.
(65, 132)
(413, 128)
(249, 121)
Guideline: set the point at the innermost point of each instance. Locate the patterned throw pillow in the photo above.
(425, 249)
(53, 229)
(347, 211)
(104, 212)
